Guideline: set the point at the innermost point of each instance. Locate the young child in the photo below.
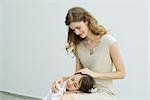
(76, 83)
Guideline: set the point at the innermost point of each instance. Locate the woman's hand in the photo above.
(56, 85)
(87, 71)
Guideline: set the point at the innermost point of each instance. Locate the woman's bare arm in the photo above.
(78, 64)
(118, 63)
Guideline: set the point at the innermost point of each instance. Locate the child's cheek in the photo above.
(72, 88)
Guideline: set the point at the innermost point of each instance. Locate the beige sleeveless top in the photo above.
(99, 61)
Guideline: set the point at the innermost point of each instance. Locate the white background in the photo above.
(33, 39)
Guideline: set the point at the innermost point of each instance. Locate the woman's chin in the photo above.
(82, 36)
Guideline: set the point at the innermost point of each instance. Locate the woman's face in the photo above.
(80, 28)
(73, 83)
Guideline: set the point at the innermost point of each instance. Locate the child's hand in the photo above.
(57, 84)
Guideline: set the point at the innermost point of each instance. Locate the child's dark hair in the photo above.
(86, 83)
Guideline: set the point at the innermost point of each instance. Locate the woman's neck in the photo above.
(92, 37)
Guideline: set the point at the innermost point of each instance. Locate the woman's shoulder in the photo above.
(108, 36)
(108, 39)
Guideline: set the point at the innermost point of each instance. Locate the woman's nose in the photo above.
(77, 32)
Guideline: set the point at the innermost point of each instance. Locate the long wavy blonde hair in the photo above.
(78, 14)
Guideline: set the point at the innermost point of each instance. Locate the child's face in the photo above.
(72, 83)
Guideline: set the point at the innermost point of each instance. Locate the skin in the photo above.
(81, 29)
(73, 83)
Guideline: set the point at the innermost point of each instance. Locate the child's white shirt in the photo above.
(57, 95)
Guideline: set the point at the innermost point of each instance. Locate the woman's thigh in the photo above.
(66, 97)
(92, 96)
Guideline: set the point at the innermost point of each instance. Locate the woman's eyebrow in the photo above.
(75, 27)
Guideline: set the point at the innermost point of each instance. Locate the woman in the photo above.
(96, 52)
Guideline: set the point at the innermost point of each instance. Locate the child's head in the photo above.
(80, 82)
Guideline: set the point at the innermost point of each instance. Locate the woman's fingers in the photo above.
(86, 71)
(83, 71)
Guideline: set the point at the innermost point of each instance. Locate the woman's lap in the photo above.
(92, 96)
